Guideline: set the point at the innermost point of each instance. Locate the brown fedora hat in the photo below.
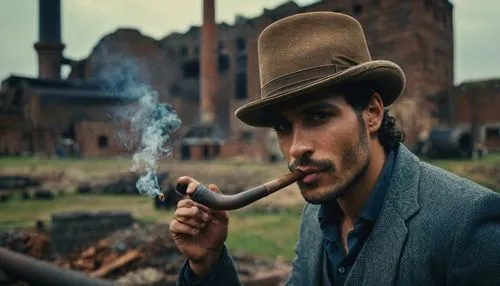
(309, 51)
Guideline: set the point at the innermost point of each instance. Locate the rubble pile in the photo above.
(126, 251)
(32, 242)
(139, 255)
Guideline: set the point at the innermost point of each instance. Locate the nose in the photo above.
(302, 143)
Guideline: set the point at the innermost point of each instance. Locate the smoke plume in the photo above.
(150, 122)
(154, 122)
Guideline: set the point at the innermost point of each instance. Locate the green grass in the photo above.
(265, 234)
(19, 213)
(490, 160)
(110, 162)
(61, 162)
(484, 171)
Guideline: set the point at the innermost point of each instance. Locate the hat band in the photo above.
(298, 77)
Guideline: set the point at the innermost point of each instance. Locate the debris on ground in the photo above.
(139, 255)
(33, 242)
(143, 276)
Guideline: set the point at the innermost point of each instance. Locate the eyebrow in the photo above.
(313, 107)
(316, 106)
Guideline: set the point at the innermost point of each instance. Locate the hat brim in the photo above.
(388, 77)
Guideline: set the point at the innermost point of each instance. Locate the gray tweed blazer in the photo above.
(434, 228)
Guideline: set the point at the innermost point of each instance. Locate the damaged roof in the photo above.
(487, 83)
(491, 84)
(68, 88)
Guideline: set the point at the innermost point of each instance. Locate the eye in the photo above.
(281, 127)
(318, 117)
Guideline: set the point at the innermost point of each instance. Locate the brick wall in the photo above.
(102, 139)
(14, 136)
(251, 150)
(474, 105)
(11, 142)
(480, 105)
(83, 120)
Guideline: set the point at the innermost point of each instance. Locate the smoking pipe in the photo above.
(218, 201)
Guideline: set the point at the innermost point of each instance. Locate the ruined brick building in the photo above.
(418, 35)
(49, 117)
(84, 114)
(209, 71)
(468, 115)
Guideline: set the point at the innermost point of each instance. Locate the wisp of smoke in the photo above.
(154, 122)
(151, 122)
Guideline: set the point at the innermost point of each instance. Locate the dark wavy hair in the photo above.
(358, 96)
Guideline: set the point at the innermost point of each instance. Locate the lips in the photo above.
(312, 175)
(310, 178)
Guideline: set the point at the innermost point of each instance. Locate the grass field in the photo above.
(270, 234)
(485, 171)
(489, 160)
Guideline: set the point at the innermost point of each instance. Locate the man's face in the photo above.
(328, 139)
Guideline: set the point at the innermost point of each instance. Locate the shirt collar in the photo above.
(372, 207)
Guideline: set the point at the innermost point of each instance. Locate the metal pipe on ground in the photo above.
(37, 272)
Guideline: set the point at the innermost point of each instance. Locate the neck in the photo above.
(358, 193)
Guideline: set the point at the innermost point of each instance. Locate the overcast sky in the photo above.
(84, 22)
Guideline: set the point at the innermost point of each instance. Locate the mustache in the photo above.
(306, 161)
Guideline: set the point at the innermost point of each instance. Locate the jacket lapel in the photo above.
(378, 261)
(315, 252)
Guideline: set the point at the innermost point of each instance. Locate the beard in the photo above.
(354, 163)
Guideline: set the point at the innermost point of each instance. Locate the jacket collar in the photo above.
(403, 188)
(379, 258)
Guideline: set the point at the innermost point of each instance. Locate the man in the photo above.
(375, 214)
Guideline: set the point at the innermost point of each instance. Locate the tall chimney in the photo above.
(49, 47)
(209, 60)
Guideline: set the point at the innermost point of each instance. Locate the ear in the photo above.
(374, 113)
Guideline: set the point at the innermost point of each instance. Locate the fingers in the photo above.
(189, 218)
(179, 228)
(194, 223)
(191, 213)
(185, 180)
(187, 203)
(190, 182)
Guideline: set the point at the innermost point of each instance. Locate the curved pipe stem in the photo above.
(218, 201)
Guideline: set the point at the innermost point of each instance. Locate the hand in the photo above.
(198, 232)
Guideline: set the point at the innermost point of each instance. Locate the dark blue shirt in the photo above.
(338, 263)
(187, 276)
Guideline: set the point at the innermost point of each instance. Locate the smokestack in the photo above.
(49, 47)
(209, 59)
